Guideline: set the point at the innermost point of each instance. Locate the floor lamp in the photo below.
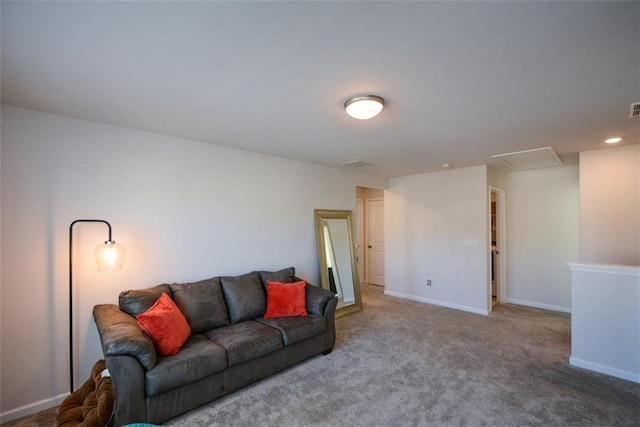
(109, 257)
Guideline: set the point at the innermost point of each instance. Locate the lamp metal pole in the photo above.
(71, 386)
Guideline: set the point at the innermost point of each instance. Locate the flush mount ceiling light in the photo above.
(613, 140)
(363, 107)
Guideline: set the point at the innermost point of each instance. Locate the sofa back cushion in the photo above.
(135, 302)
(286, 275)
(245, 297)
(202, 303)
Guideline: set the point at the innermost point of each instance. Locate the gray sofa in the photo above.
(231, 344)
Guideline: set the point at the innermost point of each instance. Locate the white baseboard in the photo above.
(608, 370)
(32, 408)
(437, 302)
(538, 305)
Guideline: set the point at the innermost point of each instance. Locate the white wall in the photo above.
(428, 217)
(605, 319)
(184, 210)
(610, 205)
(496, 178)
(542, 236)
(605, 326)
(424, 212)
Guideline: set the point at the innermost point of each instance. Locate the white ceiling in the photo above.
(463, 80)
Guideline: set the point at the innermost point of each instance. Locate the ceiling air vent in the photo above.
(634, 110)
(355, 163)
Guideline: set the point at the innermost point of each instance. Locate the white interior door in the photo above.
(375, 241)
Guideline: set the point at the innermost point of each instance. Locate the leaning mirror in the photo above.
(337, 255)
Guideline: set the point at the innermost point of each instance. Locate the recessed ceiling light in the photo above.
(363, 107)
(613, 140)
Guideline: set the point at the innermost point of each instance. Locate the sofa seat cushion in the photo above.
(246, 340)
(294, 329)
(199, 358)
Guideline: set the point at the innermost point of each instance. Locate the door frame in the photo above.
(367, 265)
(501, 243)
(360, 239)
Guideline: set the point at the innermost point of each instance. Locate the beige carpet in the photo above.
(402, 363)
(42, 418)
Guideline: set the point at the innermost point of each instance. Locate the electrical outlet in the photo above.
(428, 282)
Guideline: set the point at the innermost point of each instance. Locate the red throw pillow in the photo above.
(166, 325)
(286, 299)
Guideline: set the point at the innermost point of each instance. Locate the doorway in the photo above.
(497, 289)
(370, 235)
(375, 241)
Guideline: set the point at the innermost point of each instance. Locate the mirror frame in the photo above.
(320, 216)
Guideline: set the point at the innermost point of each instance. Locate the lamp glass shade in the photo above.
(365, 107)
(109, 256)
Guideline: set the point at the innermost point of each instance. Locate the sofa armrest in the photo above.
(127, 375)
(317, 299)
(121, 335)
(330, 308)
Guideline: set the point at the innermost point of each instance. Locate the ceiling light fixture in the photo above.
(612, 140)
(364, 107)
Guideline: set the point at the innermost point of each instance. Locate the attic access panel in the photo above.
(530, 159)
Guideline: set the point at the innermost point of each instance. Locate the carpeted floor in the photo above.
(47, 418)
(403, 363)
